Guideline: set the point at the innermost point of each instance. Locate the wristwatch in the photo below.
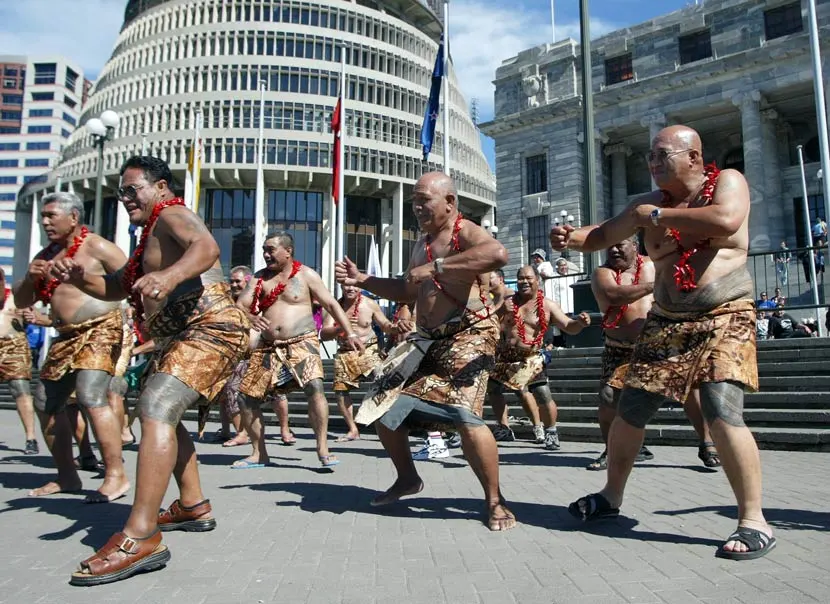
(438, 265)
(655, 216)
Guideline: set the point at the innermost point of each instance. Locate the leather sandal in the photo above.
(194, 519)
(120, 558)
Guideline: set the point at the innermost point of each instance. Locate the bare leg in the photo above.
(396, 443)
(722, 405)
(251, 411)
(80, 431)
(530, 407)
(281, 411)
(482, 453)
(224, 420)
(58, 436)
(26, 411)
(499, 405)
(186, 470)
(344, 403)
(318, 415)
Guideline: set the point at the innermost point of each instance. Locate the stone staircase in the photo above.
(791, 412)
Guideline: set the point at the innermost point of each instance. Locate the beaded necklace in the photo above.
(258, 305)
(541, 315)
(45, 288)
(607, 323)
(684, 274)
(135, 268)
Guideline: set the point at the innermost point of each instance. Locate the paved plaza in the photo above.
(291, 533)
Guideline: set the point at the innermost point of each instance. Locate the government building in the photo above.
(176, 58)
(737, 71)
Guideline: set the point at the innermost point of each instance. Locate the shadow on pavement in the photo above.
(342, 499)
(781, 518)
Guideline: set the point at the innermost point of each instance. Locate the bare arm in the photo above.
(608, 293)
(188, 230)
(558, 318)
(482, 253)
(113, 260)
(330, 328)
(327, 301)
(380, 319)
(599, 237)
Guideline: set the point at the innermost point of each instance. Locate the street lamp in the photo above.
(490, 228)
(102, 130)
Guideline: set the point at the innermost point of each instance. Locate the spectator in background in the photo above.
(543, 268)
(784, 326)
(782, 263)
(819, 230)
(764, 302)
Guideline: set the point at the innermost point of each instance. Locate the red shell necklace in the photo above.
(456, 229)
(134, 269)
(607, 322)
(684, 274)
(44, 287)
(356, 307)
(258, 305)
(541, 315)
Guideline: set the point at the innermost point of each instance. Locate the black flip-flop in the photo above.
(759, 544)
(597, 507)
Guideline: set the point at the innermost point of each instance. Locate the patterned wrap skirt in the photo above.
(518, 369)
(352, 365)
(93, 344)
(15, 357)
(615, 359)
(282, 366)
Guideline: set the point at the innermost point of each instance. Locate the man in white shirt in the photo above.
(544, 269)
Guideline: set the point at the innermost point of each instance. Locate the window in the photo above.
(10, 71)
(40, 113)
(37, 146)
(9, 129)
(39, 130)
(9, 84)
(65, 133)
(38, 178)
(71, 79)
(45, 73)
(538, 234)
(9, 146)
(11, 115)
(619, 69)
(537, 174)
(37, 163)
(43, 96)
(8, 196)
(69, 119)
(815, 206)
(9, 163)
(12, 99)
(695, 47)
(783, 21)
(69, 102)
(8, 180)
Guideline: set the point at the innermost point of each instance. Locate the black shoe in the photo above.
(644, 454)
(31, 448)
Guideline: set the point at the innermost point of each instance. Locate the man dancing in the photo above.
(16, 363)
(525, 318)
(287, 356)
(701, 330)
(83, 357)
(175, 283)
(351, 366)
(438, 379)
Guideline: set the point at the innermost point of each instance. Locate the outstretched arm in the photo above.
(399, 290)
(380, 319)
(559, 319)
(323, 296)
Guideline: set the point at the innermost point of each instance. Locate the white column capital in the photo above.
(618, 147)
(746, 100)
(653, 120)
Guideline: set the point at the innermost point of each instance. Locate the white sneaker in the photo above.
(431, 451)
(539, 433)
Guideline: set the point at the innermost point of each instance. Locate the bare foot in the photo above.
(398, 490)
(254, 461)
(348, 437)
(127, 437)
(500, 518)
(54, 487)
(238, 440)
(111, 489)
(288, 437)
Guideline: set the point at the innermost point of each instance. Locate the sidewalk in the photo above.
(291, 533)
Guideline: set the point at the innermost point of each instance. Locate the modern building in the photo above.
(40, 104)
(738, 71)
(174, 58)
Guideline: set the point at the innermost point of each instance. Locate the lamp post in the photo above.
(102, 130)
(490, 228)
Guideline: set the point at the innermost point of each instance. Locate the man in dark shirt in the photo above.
(783, 325)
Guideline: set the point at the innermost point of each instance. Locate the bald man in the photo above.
(700, 332)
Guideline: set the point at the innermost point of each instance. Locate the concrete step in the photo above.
(753, 400)
(774, 369)
(767, 384)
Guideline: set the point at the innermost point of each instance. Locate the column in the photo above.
(327, 251)
(385, 238)
(599, 186)
(618, 152)
(777, 228)
(122, 227)
(749, 104)
(655, 123)
(397, 234)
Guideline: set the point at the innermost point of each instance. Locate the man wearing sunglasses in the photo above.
(176, 285)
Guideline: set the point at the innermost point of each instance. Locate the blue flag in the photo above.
(433, 107)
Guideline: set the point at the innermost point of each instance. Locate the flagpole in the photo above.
(821, 107)
(446, 87)
(341, 203)
(197, 161)
(260, 219)
(552, 22)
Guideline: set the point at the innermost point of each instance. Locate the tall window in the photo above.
(45, 73)
(619, 69)
(362, 222)
(410, 233)
(695, 47)
(71, 79)
(301, 214)
(815, 205)
(783, 21)
(230, 215)
(537, 174)
(12, 99)
(538, 234)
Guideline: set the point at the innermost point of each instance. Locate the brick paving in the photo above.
(293, 533)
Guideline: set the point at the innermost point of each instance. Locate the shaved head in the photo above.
(680, 137)
(438, 182)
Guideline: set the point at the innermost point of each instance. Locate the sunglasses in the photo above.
(129, 192)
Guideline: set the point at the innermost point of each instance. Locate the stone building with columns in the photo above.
(175, 58)
(738, 71)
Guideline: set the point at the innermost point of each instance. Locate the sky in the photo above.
(483, 33)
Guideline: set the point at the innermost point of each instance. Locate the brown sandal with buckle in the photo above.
(120, 558)
(193, 519)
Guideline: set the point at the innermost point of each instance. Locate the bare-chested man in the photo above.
(278, 301)
(175, 283)
(351, 366)
(437, 380)
(16, 363)
(525, 317)
(83, 357)
(701, 330)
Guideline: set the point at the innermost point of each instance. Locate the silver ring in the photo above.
(156, 293)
